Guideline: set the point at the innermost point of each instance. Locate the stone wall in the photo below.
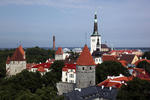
(15, 67)
(85, 76)
(64, 87)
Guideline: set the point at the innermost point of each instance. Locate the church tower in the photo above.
(85, 69)
(95, 36)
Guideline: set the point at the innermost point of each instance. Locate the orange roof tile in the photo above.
(41, 69)
(116, 82)
(109, 58)
(124, 63)
(8, 60)
(85, 59)
(18, 55)
(136, 63)
(59, 51)
(21, 50)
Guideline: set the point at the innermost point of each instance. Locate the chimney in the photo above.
(53, 42)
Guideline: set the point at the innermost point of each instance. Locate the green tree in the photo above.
(135, 90)
(145, 65)
(54, 76)
(37, 55)
(147, 55)
(3, 57)
(109, 68)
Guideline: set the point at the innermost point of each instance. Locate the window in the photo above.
(71, 81)
(66, 79)
(82, 68)
(93, 40)
(71, 75)
(90, 68)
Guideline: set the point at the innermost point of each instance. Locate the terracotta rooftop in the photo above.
(41, 69)
(127, 57)
(109, 58)
(136, 63)
(59, 51)
(85, 59)
(115, 82)
(69, 66)
(21, 50)
(44, 65)
(8, 60)
(18, 54)
(124, 63)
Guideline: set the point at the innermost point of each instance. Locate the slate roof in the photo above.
(91, 93)
(97, 53)
(104, 46)
(85, 59)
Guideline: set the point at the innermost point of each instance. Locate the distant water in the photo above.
(143, 49)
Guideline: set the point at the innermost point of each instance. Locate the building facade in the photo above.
(85, 69)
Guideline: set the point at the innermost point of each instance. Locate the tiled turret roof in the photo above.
(8, 60)
(18, 54)
(85, 59)
(59, 51)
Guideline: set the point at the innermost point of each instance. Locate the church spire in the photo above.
(95, 31)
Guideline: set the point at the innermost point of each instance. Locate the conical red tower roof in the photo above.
(59, 51)
(85, 59)
(8, 60)
(18, 54)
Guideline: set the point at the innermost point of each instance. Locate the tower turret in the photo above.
(85, 69)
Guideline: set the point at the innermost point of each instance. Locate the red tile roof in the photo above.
(8, 60)
(140, 73)
(41, 69)
(109, 58)
(85, 59)
(136, 63)
(69, 66)
(127, 57)
(45, 65)
(21, 50)
(30, 65)
(123, 51)
(115, 82)
(124, 63)
(18, 54)
(59, 51)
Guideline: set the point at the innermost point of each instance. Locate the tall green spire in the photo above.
(95, 31)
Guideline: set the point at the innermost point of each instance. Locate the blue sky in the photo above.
(121, 23)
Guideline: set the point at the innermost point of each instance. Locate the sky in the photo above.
(121, 23)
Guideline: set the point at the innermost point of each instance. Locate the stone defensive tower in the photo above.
(16, 63)
(85, 69)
